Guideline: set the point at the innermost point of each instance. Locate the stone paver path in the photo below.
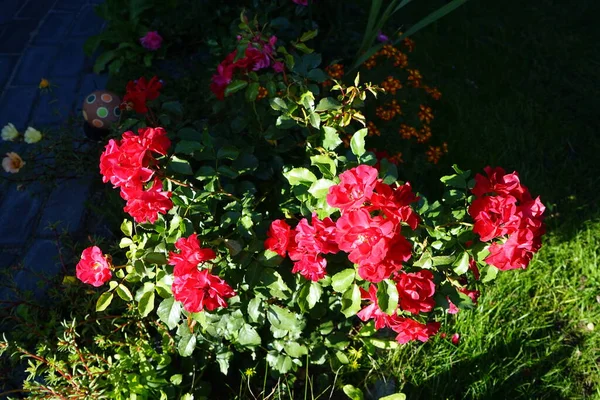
(42, 39)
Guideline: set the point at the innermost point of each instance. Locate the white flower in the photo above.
(9, 132)
(32, 135)
(12, 163)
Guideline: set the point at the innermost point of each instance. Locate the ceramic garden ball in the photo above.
(101, 109)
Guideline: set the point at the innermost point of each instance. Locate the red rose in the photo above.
(201, 290)
(154, 139)
(395, 203)
(409, 329)
(415, 291)
(278, 237)
(498, 182)
(366, 239)
(93, 268)
(189, 256)
(516, 252)
(139, 92)
(372, 311)
(145, 205)
(121, 163)
(494, 216)
(311, 266)
(355, 188)
(400, 250)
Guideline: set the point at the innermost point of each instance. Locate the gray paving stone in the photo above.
(35, 8)
(88, 23)
(55, 107)
(16, 35)
(16, 104)
(35, 65)
(19, 215)
(70, 59)
(69, 4)
(7, 63)
(9, 9)
(54, 28)
(40, 264)
(65, 208)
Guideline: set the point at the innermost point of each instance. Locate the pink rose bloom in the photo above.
(93, 268)
(151, 41)
(278, 66)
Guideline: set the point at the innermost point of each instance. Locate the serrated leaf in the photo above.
(461, 265)
(180, 165)
(146, 304)
(187, 344)
(248, 336)
(104, 301)
(124, 292)
(309, 35)
(127, 228)
(357, 143)
(295, 349)
(188, 147)
(343, 279)
(331, 138)
(387, 296)
(299, 176)
(235, 86)
(169, 312)
(278, 104)
(255, 310)
(315, 120)
(328, 103)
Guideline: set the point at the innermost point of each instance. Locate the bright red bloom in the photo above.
(145, 205)
(409, 329)
(372, 311)
(189, 256)
(224, 75)
(498, 182)
(516, 252)
(93, 268)
(151, 41)
(455, 339)
(415, 291)
(200, 290)
(355, 188)
(122, 163)
(139, 92)
(367, 239)
(154, 139)
(311, 266)
(400, 250)
(495, 216)
(395, 203)
(279, 237)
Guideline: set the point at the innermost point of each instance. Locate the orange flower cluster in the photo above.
(262, 93)
(433, 92)
(425, 114)
(388, 51)
(336, 71)
(436, 152)
(409, 44)
(414, 77)
(396, 158)
(388, 111)
(422, 135)
(372, 129)
(391, 85)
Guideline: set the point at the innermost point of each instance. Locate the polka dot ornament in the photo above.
(101, 109)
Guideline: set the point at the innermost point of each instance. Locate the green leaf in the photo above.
(104, 301)
(252, 91)
(295, 349)
(282, 319)
(227, 171)
(353, 393)
(169, 312)
(317, 75)
(255, 310)
(357, 143)
(300, 176)
(279, 362)
(180, 166)
(235, 86)
(320, 188)
(307, 99)
(156, 258)
(188, 147)
(351, 301)
(328, 103)
(343, 279)
(387, 296)
(461, 265)
(303, 48)
(325, 164)
(187, 343)
(315, 120)
(174, 107)
(309, 35)
(395, 396)
(278, 104)
(124, 292)
(309, 295)
(332, 138)
(205, 172)
(127, 228)
(248, 336)
(488, 273)
(136, 8)
(176, 379)
(104, 59)
(228, 152)
(146, 304)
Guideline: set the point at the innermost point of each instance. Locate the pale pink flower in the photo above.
(151, 41)
(12, 163)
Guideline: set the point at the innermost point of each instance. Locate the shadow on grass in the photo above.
(510, 370)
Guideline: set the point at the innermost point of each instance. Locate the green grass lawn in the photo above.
(521, 86)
